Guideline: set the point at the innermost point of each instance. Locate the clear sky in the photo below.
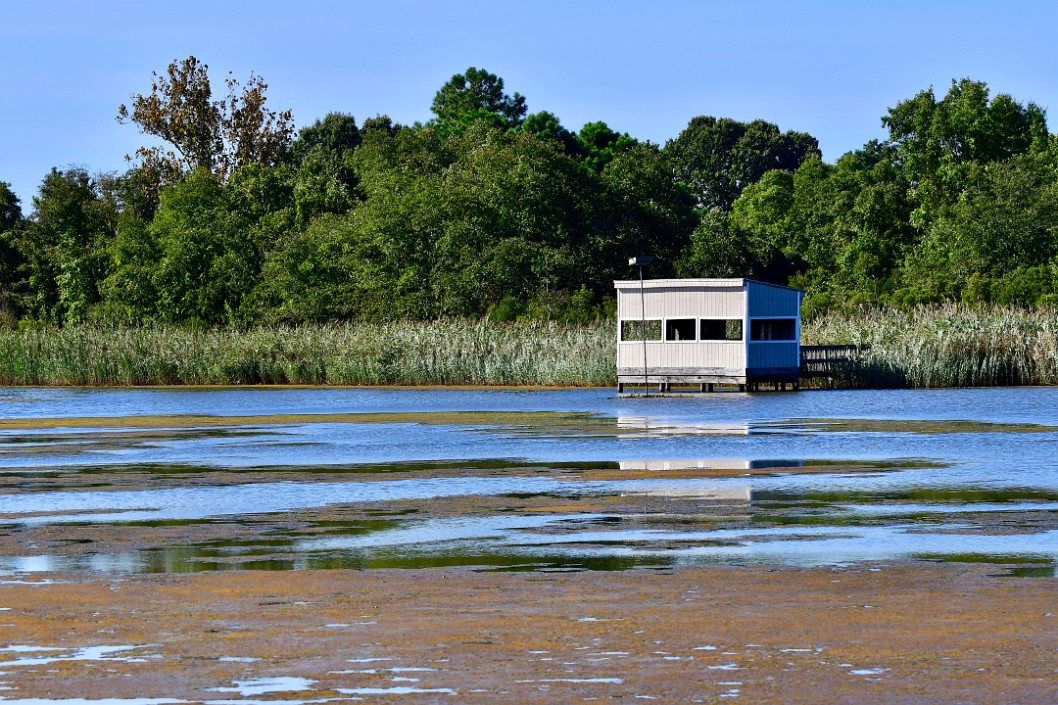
(831, 68)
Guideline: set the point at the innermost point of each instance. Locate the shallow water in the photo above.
(158, 480)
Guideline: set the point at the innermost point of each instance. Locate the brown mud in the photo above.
(871, 633)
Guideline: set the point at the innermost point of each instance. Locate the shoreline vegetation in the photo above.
(454, 352)
(943, 346)
(929, 346)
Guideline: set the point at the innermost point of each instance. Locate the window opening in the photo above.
(633, 330)
(679, 329)
(773, 329)
(721, 329)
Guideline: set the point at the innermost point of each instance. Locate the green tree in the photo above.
(387, 241)
(1006, 220)
(336, 136)
(263, 195)
(450, 223)
(326, 179)
(10, 208)
(380, 123)
(939, 141)
(872, 213)
(548, 126)
(839, 228)
(314, 275)
(716, 249)
(129, 292)
(640, 211)
(718, 158)
(208, 255)
(512, 220)
(477, 94)
(763, 216)
(133, 193)
(11, 260)
(65, 245)
(600, 144)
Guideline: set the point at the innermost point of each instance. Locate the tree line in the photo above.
(489, 210)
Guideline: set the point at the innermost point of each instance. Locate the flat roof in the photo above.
(695, 284)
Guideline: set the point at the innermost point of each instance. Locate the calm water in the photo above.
(150, 480)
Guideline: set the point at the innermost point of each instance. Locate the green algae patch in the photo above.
(997, 559)
(919, 426)
(574, 422)
(45, 444)
(538, 424)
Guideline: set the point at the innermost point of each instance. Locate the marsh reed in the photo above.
(944, 346)
(404, 353)
(929, 346)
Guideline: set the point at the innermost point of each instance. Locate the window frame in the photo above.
(638, 321)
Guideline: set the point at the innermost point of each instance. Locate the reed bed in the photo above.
(929, 346)
(405, 353)
(944, 346)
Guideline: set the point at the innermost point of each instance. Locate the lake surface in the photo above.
(153, 480)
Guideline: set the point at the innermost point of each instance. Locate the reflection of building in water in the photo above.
(741, 494)
(712, 464)
(656, 428)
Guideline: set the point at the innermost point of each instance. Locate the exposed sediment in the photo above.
(871, 633)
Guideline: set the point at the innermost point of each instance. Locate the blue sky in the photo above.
(830, 67)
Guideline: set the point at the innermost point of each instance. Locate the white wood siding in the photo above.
(682, 303)
(711, 354)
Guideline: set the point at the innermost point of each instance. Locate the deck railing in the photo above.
(826, 360)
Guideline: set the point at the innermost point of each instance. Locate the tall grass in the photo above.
(407, 353)
(945, 346)
(937, 346)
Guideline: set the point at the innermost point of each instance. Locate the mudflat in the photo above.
(875, 632)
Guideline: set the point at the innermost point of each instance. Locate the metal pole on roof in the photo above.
(641, 262)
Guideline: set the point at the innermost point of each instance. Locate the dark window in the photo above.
(633, 330)
(773, 329)
(718, 329)
(679, 329)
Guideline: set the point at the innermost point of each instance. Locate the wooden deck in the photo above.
(828, 361)
(817, 361)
